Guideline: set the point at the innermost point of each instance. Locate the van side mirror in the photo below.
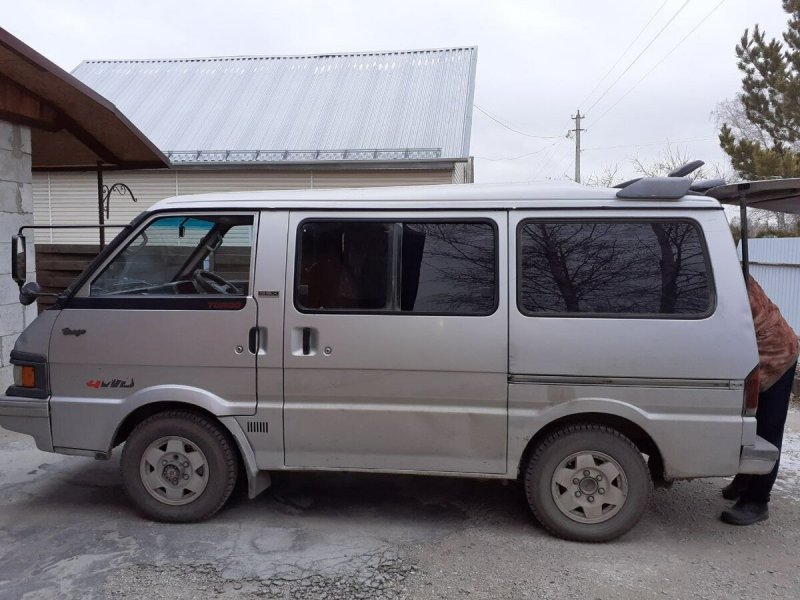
(29, 293)
(19, 259)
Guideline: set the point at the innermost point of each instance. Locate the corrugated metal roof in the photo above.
(362, 106)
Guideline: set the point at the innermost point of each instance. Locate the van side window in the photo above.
(613, 268)
(345, 266)
(397, 267)
(180, 255)
(448, 268)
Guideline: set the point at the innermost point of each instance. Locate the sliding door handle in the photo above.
(304, 341)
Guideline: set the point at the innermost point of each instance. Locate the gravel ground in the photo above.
(67, 531)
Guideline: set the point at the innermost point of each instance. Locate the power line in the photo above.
(643, 144)
(638, 56)
(548, 160)
(510, 128)
(518, 157)
(665, 57)
(621, 56)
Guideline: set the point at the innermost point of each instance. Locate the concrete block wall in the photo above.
(16, 209)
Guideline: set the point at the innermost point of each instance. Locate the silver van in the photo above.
(587, 341)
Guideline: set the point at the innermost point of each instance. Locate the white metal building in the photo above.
(246, 123)
(775, 264)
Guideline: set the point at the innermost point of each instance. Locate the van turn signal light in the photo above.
(27, 376)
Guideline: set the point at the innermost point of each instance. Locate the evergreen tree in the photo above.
(767, 143)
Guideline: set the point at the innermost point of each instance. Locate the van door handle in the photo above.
(257, 340)
(252, 340)
(306, 341)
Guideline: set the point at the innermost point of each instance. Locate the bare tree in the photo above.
(673, 158)
(732, 113)
(610, 176)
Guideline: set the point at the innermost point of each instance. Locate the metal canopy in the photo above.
(72, 126)
(779, 195)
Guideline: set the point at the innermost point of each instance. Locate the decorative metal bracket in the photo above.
(121, 189)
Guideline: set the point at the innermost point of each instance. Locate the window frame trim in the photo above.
(712, 299)
(393, 221)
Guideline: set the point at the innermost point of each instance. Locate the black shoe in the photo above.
(746, 512)
(734, 489)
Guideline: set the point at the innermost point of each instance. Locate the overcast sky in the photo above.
(538, 61)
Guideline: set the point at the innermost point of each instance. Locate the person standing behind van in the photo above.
(777, 356)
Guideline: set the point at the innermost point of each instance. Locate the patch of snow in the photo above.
(788, 482)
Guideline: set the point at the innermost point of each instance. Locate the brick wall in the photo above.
(16, 209)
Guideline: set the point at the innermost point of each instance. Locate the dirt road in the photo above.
(67, 531)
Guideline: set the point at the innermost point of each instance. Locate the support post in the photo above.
(577, 118)
(743, 240)
(100, 202)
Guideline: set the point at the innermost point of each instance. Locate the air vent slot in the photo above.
(257, 427)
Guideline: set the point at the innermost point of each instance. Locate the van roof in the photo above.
(562, 194)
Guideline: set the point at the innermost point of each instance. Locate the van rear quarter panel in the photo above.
(679, 379)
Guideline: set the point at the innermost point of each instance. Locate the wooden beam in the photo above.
(18, 105)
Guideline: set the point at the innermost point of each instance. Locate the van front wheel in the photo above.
(587, 483)
(178, 466)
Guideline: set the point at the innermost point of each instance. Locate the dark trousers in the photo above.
(773, 406)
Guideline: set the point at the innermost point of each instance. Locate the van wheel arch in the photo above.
(629, 429)
(130, 422)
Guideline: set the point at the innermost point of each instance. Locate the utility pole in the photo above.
(577, 118)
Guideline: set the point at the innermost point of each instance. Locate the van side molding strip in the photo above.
(626, 381)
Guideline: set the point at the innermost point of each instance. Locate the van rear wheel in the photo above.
(587, 483)
(179, 466)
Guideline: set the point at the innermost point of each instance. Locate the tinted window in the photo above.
(448, 268)
(638, 268)
(345, 266)
(441, 268)
(182, 255)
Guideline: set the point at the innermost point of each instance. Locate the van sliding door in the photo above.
(396, 341)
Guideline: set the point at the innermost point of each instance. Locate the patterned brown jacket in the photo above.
(777, 341)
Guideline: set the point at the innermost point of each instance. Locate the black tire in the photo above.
(207, 439)
(549, 500)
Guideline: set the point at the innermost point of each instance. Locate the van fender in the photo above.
(185, 394)
(525, 422)
(69, 415)
(257, 480)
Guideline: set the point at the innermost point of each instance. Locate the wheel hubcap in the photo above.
(589, 487)
(174, 470)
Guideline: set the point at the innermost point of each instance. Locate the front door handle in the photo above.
(257, 340)
(306, 341)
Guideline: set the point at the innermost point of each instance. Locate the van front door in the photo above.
(396, 351)
(166, 318)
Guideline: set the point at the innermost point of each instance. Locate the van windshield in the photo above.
(182, 255)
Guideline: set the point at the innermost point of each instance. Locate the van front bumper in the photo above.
(30, 416)
(759, 458)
